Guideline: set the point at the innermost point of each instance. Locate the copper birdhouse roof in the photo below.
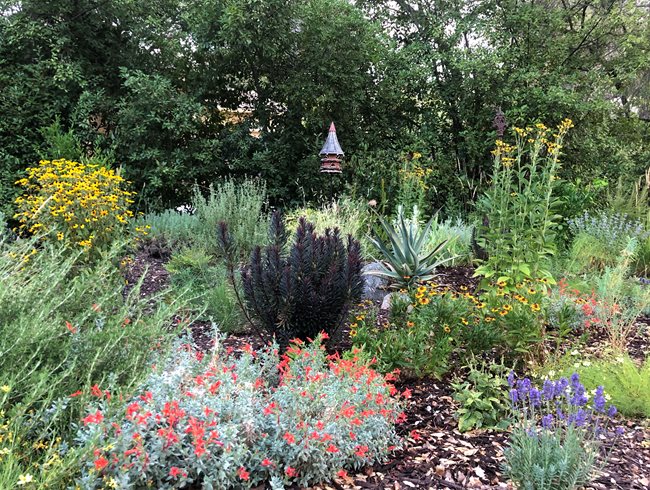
(331, 146)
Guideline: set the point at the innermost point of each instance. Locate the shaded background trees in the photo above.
(177, 93)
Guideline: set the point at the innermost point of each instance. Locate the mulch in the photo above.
(437, 455)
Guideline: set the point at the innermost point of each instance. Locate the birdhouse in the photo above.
(331, 154)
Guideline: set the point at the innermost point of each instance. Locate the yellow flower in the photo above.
(502, 284)
(446, 328)
(5, 388)
(464, 321)
(410, 324)
(489, 319)
(424, 301)
(535, 307)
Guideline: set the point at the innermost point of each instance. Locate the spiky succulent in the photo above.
(405, 260)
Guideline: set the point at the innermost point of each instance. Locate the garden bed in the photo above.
(436, 455)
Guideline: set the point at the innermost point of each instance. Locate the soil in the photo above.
(436, 455)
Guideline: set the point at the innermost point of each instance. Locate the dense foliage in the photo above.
(179, 92)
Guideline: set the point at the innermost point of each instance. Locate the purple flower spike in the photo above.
(575, 380)
(599, 399)
(611, 411)
(511, 379)
(535, 398)
(548, 390)
(547, 421)
(514, 396)
(579, 418)
(561, 386)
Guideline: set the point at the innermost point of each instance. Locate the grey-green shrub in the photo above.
(174, 228)
(348, 215)
(241, 205)
(459, 240)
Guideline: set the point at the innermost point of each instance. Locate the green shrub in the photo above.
(64, 328)
(519, 232)
(350, 216)
(417, 341)
(482, 396)
(627, 384)
(302, 291)
(241, 205)
(204, 280)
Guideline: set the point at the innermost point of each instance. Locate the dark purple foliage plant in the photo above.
(298, 290)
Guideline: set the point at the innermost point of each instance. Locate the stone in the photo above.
(374, 287)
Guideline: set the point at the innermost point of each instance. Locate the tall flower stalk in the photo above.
(518, 233)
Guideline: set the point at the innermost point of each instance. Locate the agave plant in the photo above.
(405, 259)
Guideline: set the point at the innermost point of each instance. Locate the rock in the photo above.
(373, 286)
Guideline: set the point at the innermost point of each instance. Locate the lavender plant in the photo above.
(556, 438)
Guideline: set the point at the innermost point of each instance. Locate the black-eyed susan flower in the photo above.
(535, 307)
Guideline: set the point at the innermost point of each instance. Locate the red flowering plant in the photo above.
(235, 422)
(609, 309)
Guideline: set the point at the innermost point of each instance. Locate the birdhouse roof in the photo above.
(331, 146)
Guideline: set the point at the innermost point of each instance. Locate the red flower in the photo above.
(96, 391)
(93, 418)
(342, 474)
(332, 449)
(267, 462)
(291, 472)
(415, 435)
(361, 451)
(69, 326)
(289, 438)
(407, 393)
(76, 393)
(243, 474)
(174, 472)
(132, 409)
(101, 463)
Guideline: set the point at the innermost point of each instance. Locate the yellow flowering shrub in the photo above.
(85, 205)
